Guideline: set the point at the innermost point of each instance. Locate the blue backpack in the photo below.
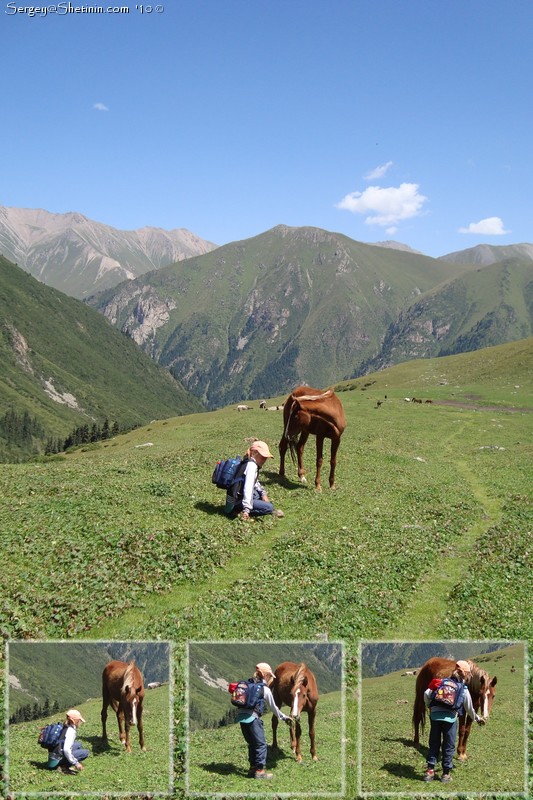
(226, 473)
(50, 735)
(450, 694)
(249, 695)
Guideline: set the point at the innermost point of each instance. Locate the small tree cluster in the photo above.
(83, 434)
(20, 429)
(30, 712)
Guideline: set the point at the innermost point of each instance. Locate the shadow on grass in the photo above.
(403, 771)
(406, 743)
(221, 768)
(211, 508)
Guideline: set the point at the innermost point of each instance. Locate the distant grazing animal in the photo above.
(295, 686)
(153, 685)
(262, 404)
(482, 690)
(415, 400)
(123, 690)
(311, 411)
(409, 672)
(243, 407)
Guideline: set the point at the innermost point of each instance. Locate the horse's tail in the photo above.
(419, 710)
(291, 407)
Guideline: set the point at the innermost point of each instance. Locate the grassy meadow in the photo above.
(426, 537)
(108, 768)
(218, 759)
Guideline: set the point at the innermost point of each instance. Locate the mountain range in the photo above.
(302, 305)
(71, 672)
(249, 319)
(64, 365)
(80, 256)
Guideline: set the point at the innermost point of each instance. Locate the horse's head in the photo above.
(299, 687)
(482, 689)
(131, 693)
(487, 693)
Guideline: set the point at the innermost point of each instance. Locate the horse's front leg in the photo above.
(275, 723)
(319, 459)
(333, 463)
(311, 716)
(300, 453)
(124, 735)
(296, 733)
(464, 733)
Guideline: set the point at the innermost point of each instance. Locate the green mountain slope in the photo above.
(66, 366)
(258, 316)
(483, 308)
(70, 673)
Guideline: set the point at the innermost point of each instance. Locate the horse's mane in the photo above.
(128, 675)
(299, 675)
(476, 674)
(322, 396)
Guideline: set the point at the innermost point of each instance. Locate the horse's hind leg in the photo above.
(103, 715)
(319, 459)
(140, 727)
(333, 463)
(311, 716)
(282, 450)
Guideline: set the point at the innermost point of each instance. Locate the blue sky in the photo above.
(382, 119)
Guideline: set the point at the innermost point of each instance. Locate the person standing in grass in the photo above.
(68, 753)
(252, 725)
(445, 720)
(247, 497)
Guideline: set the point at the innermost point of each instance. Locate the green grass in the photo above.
(496, 752)
(123, 541)
(108, 769)
(218, 759)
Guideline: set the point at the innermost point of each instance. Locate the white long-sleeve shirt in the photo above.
(70, 738)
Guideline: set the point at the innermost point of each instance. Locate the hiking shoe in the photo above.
(262, 774)
(278, 513)
(429, 775)
(446, 778)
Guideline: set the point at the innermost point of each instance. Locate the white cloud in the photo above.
(100, 107)
(387, 206)
(378, 172)
(491, 226)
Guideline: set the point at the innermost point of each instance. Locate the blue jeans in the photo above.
(78, 751)
(254, 733)
(260, 507)
(447, 731)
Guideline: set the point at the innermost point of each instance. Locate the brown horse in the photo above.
(295, 685)
(311, 411)
(123, 690)
(482, 690)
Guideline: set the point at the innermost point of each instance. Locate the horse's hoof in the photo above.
(462, 757)
(143, 749)
(315, 758)
(319, 489)
(299, 759)
(303, 479)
